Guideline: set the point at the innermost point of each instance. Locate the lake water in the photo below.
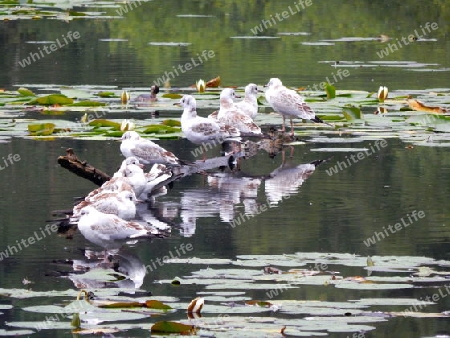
(329, 212)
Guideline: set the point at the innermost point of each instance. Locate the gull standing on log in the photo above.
(249, 105)
(288, 103)
(146, 151)
(231, 115)
(199, 129)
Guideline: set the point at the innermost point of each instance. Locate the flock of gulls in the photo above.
(107, 215)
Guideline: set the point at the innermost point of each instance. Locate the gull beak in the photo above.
(178, 104)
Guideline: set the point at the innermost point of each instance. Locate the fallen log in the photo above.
(82, 168)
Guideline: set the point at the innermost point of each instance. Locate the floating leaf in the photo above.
(106, 94)
(105, 123)
(172, 327)
(156, 304)
(172, 96)
(52, 100)
(41, 129)
(160, 129)
(171, 123)
(87, 104)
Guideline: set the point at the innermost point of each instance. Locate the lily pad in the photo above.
(172, 327)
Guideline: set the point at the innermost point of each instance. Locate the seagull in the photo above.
(249, 105)
(230, 115)
(146, 151)
(157, 174)
(202, 130)
(288, 103)
(129, 160)
(110, 231)
(149, 97)
(121, 204)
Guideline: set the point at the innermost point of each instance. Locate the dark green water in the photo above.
(329, 213)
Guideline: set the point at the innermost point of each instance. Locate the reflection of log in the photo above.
(82, 168)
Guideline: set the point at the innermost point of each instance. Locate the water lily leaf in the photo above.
(76, 93)
(160, 129)
(352, 113)
(105, 123)
(331, 91)
(87, 104)
(15, 332)
(116, 305)
(172, 327)
(106, 94)
(25, 92)
(41, 129)
(172, 96)
(52, 100)
(156, 304)
(171, 123)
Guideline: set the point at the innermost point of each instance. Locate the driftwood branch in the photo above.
(82, 168)
(272, 145)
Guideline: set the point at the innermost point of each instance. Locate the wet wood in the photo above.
(82, 168)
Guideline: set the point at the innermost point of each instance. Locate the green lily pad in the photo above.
(172, 96)
(41, 129)
(171, 123)
(52, 100)
(104, 123)
(87, 104)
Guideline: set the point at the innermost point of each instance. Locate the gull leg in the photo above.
(283, 128)
(292, 127)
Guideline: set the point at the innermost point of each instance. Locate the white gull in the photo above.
(230, 115)
(288, 103)
(249, 105)
(110, 231)
(199, 129)
(146, 151)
